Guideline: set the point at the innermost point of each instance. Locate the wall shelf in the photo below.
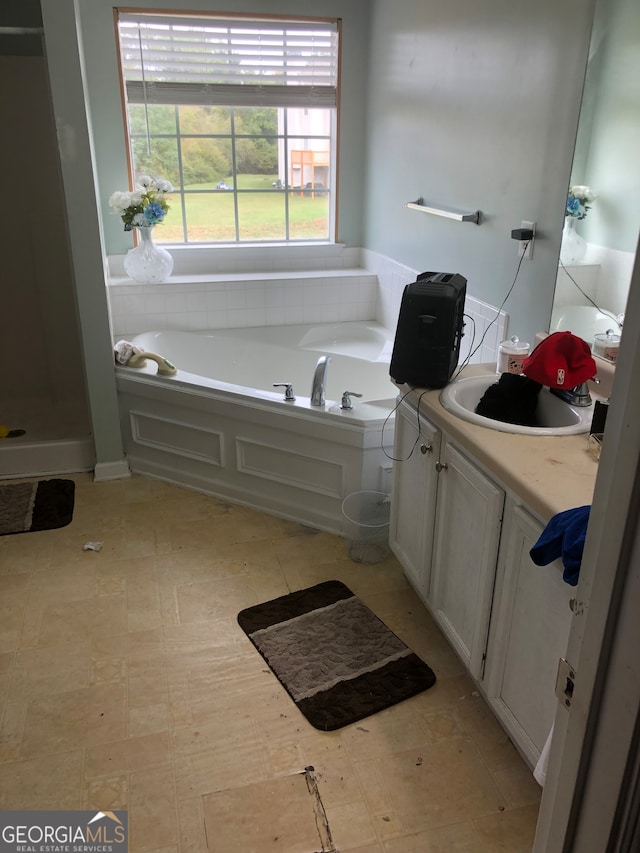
(419, 204)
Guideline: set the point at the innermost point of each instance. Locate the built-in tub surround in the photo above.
(273, 286)
(219, 425)
(244, 287)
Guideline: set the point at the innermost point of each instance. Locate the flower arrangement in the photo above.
(579, 202)
(145, 205)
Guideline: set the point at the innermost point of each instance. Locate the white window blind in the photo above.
(171, 59)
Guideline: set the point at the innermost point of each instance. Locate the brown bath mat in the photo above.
(334, 657)
(42, 505)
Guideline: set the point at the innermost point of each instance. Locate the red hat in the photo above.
(561, 360)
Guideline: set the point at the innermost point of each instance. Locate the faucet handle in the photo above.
(346, 399)
(288, 394)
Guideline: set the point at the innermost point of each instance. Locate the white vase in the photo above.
(148, 263)
(573, 248)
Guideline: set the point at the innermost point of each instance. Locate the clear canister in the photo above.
(606, 345)
(511, 355)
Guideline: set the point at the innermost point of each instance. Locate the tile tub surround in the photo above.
(126, 682)
(251, 286)
(256, 286)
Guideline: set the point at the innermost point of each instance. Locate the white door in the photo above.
(468, 518)
(580, 807)
(530, 626)
(414, 494)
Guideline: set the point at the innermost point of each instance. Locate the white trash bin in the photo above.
(367, 514)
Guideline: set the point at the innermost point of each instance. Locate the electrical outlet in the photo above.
(528, 244)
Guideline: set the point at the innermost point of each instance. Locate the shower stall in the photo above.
(43, 399)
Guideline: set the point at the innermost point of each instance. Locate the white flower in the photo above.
(145, 206)
(119, 201)
(582, 193)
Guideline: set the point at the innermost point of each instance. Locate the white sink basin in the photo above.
(555, 416)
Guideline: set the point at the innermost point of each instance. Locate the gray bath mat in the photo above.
(41, 505)
(334, 657)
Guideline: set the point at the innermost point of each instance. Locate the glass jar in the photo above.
(511, 355)
(607, 345)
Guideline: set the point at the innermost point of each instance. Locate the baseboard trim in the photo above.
(111, 471)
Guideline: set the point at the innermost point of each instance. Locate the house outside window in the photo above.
(240, 115)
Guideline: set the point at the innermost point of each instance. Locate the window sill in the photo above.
(192, 262)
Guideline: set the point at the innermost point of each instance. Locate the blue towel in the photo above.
(563, 537)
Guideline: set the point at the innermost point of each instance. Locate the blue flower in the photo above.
(154, 212)
(573, 206)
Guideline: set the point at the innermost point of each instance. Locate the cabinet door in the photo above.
(468, 518)
(414, 494)
(529, 635)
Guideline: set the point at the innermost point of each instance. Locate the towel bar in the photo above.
(449, 214)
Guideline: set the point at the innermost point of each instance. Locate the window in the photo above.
(241, 116)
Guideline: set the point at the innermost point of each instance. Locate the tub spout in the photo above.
(319, 381)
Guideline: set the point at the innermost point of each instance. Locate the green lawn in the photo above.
(211, 214)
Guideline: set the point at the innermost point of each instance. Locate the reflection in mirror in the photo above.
(591, 293)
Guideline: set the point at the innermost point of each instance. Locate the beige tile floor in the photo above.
(125, 682)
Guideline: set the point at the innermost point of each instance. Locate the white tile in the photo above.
(216, 301)
(180, 320)
(312, 294)
(330, 313)
(176, 302)
(293, 297)
(216, 319)
(155, 303)
(196, 301)
(273, 316)
(157, 321)
(255, 298)
(133, 304)
(293, 314)
(255, 316)
(274, 296)
(236, 297)
(349, 312)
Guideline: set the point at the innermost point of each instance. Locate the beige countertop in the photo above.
(548, 473)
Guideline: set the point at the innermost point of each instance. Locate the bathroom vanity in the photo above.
(468, 504)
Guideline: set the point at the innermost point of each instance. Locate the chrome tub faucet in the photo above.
(320, 381)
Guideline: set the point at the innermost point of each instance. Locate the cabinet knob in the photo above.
(425, 448)
(441, 466)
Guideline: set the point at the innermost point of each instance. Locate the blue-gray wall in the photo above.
(474, 105)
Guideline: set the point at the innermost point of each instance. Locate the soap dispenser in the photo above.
(511, 355)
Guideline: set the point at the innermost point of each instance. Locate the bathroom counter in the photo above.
(548, 473)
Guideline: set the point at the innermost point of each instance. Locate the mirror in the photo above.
(607, 161)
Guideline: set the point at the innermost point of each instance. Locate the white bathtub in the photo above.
(219, 425)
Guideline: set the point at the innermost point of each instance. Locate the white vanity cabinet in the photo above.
(415, 480)
(529, 634)
(467, 533)
(464, 540)
(445, 529)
